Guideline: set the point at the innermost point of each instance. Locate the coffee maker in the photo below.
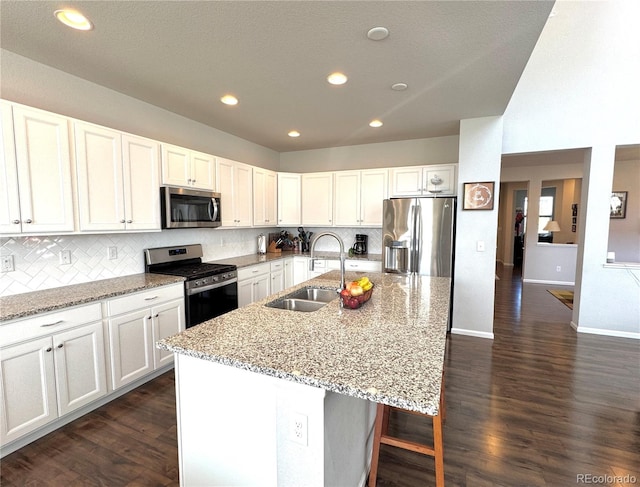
(360, 246)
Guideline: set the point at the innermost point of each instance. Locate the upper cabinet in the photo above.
(265, 197)
(185, 167)
(317, 199)
(358, 197)
(289, 199)
(423, 181)
(118, 180)
(37, 176)
(235, 185)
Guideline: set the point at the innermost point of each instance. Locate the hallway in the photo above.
(540, 405)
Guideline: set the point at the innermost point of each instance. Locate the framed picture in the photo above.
(618, 204)
(478, 196)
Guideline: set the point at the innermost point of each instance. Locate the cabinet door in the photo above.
(203, 171)
(277, 282)
(288, 273)
(300, 269)
(141, 169)
(176, 166)
(347, 198)
(245, 292)
(27, 388)
(100, 179)
(439, 180)
(80, 366)
(264, 197)
(224, 186)
(373, 190)
(130, 337)
(9, 198)
(289, 199)
(44, 171)
(243, 195)
(261, 287)
(406, 181)
(317, 199)
(168, 319)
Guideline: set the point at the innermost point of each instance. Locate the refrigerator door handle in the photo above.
(417, 237)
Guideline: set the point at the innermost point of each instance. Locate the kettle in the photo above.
(262, 244)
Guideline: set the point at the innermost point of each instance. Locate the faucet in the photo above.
(313, 245)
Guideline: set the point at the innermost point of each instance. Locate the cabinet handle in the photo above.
(193, 181)
(253, 272)
(60, 345)
(156, 315)
(189, 181)
(151, 298)
(121, 221)
(48, 349)
(28, 220)
(129, 221)
(52, 324)
(15, 222)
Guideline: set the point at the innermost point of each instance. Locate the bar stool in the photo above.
(381, 436)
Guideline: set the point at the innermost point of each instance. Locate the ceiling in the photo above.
(459, 59)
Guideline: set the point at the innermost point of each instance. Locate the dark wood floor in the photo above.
(540, 405)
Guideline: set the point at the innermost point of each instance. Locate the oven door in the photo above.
(188, 208)
(209, 302)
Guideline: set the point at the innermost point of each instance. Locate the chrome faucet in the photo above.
(313, 245)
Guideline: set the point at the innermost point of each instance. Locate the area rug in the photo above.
(565, 297)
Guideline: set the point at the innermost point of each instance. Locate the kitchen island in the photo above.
(275, 397)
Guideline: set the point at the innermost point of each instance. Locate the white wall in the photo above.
(580, 90)
(474, 284)
(34, 84)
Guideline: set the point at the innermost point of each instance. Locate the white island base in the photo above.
(241, 428)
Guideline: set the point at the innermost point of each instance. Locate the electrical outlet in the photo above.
(558, 268)
(480, 245)
(65, 257)
(298, 428)
(8, 264)
(112, 253)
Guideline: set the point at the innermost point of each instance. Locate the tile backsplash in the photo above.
(37, 258)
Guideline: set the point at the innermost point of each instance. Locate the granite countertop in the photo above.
(253, 259)
(389, 351)
(28, 304)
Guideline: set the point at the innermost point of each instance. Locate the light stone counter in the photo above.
(389, 351)
(28, 304)
(253, 259)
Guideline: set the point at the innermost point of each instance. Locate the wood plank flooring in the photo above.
(539, 405)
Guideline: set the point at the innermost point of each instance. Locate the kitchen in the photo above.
(227, 243)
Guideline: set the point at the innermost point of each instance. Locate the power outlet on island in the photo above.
(298, 428)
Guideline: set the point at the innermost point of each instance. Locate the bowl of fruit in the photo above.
(356, 293)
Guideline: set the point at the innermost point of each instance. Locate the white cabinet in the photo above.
(359, 196)
(265, 197)
(135, 323)
(423, 181)
(361, 265)
(118, 180)
(317, 199)
(289, 199)
(186, 167)
(277, 277)
(235, 185)
(38, 175)
(319, 268)
(300, 269)
(288, 272)
(52, 364)
(253, 283)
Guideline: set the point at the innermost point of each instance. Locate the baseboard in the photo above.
(610, 333)
(472, 333)
(553, 283)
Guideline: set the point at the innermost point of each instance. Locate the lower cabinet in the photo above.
(134, 327)
(58, 369)
(276, 283)
(253, 283)
(300, 269)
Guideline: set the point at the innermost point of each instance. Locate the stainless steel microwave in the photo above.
(189, 208)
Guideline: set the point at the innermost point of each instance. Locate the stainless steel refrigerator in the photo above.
(418, 236)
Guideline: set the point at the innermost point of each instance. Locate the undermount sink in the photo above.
(306, 299)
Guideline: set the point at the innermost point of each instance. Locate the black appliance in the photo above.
(210, 290)
(360, 245)
(189, 208)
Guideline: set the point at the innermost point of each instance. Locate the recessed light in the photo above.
(294, 133)
(399, 86)
(73, 19)
(375, 123)
(229, 100)
(378, 33)
(337, 78)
